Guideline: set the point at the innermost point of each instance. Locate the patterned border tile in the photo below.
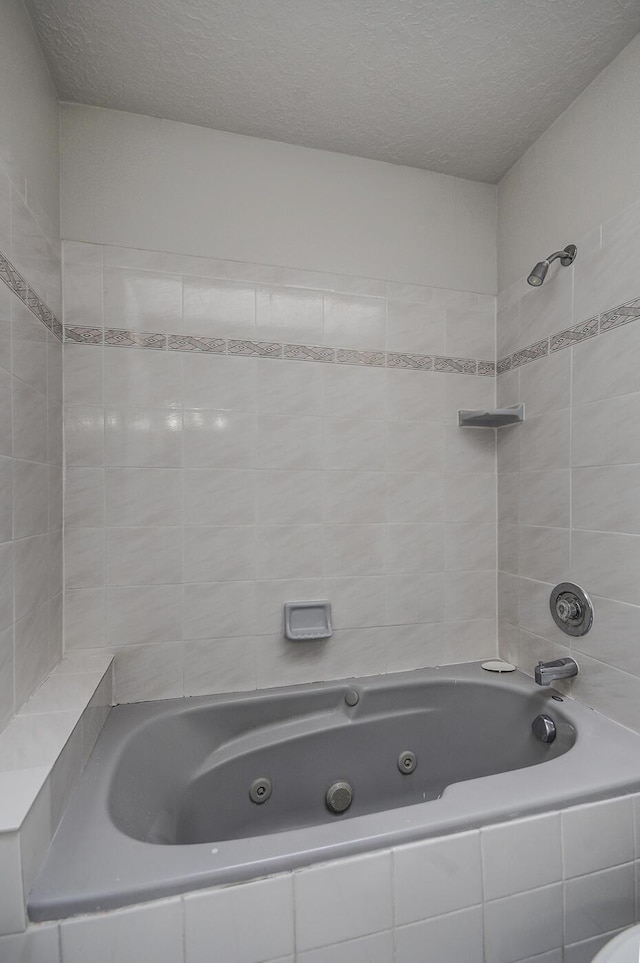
(180, 342)
(38, 308)
(135, 339)
(16, 283)
(12, 278)
(308, 352)
(375, 359)
(400, 359)
(465, 366)
(579, 332)
(593, 327)
(82, 335)
(630, 311)
(487, 369)
(533, 351)
(255, 349)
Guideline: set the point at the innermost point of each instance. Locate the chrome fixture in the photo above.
(539, 273)
(548, 672)
(544, 728)
(571, 608)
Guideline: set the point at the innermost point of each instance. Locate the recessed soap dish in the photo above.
(306, 621)
(490, 417)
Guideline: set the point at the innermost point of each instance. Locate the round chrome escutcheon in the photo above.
(571, 609)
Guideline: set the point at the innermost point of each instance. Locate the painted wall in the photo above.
(238, 436)
(580, 173)
(30, 367)
(140, 182)
(29, 123)
(569, 479)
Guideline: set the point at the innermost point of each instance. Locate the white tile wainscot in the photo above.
(42, 752)
(507, 893)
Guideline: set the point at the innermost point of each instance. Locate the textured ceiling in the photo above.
(458, 86)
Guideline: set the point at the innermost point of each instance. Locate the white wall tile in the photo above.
(39, 944)
(597, 836)
(219, 665)
(218, 308)
(342, 900)
(141, 300)
(599, 903)
(354, 322)
(144, 613)
(525, 925)
(151, 932)
(143, 437)
(12, 914)
(521, 855)
(585, 951)
(145, 379)
(457, 936)
(436, 877)
(370, 949)
(144, 672)
(247, 923)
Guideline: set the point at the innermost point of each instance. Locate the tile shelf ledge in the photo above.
(490, 417)
(43, 749)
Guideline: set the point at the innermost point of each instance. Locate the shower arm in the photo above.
(567, 256)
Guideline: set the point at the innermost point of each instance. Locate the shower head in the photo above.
(539, 273)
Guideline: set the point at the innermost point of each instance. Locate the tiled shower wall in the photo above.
(239, 435)
(30, 449)
(569, 477)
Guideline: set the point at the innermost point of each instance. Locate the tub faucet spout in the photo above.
(548, 672)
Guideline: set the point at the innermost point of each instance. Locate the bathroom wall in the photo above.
(569, 477)
(30, 367)
(239, 435)
(153, 184)
(581, 172)
(240, 431)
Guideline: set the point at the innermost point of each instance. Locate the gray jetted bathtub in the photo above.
(164, 804)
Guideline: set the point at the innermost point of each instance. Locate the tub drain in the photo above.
(339, 797)
(260, 790)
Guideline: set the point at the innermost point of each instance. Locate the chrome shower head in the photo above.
(539, 273)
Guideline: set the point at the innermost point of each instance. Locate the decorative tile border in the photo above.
(135, 339)
(83, 335)
(121, 337)
(255, 349)
(530, 353)
(419, 362)
(620, 315)
(455, 365)
(16, 283)
(178, 342)
(308, 352)
(579, 332)
(374, 359)
(594, 327)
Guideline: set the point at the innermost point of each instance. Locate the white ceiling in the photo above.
(458, 86)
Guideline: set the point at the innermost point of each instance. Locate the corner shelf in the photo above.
(490, 417)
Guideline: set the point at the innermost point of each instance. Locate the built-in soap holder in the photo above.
(306, 621)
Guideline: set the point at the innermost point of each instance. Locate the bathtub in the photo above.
(164, 805)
